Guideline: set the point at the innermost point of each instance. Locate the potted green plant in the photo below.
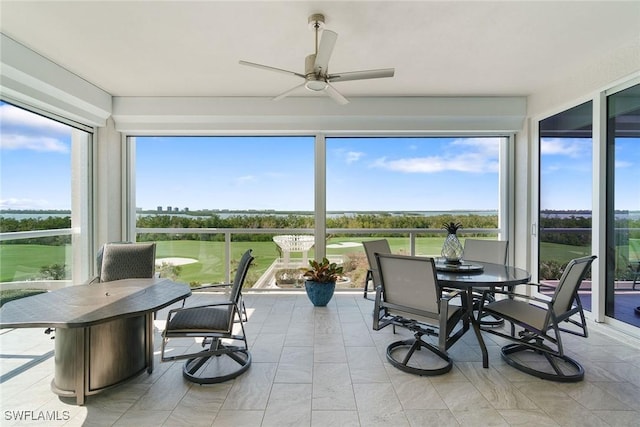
(321, 281)
(452, 248)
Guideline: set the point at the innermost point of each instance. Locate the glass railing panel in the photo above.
(35, 264)
(207, 256)
(558, 246)
(191, 258)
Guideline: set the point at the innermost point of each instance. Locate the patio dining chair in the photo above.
(537, 349)
(409, 296)
(372, 247)
(220, 327)
(493, 251)
(125, 260)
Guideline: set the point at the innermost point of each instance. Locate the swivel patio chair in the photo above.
(493, 251)
(372, 247)
(220, 325)
(226, 289)
(542, 321)
(409, 297)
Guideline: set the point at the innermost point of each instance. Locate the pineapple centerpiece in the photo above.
(452, 248)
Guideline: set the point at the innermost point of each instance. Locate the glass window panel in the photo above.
(226, 185)
(417, 183)
(44, 183)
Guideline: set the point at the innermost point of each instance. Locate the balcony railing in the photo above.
(412, 236)
(411, 240)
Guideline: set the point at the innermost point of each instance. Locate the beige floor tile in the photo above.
(334, 419)
(327, 367)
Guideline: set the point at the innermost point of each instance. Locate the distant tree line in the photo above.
(32, 224)
(301, 221)
(367, 220)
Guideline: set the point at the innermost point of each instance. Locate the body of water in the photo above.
(40, 215)
(549, 214)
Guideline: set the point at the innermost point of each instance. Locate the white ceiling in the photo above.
(192, 48)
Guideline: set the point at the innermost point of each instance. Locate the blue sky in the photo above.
(277, 173)
(35, 161)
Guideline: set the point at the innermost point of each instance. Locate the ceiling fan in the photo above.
(316, 76)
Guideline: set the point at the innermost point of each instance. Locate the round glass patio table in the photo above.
(490, 276)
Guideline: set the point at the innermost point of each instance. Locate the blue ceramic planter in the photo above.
(319, 293)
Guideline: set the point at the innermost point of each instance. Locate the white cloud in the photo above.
(472, 163)
(471, 155)
(485, 145)
(353, 156)
(34, 143)
(13, 203)
(562, 147)
(13, 116)
(621, 164)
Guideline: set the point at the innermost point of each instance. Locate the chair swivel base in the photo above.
(221, 367)
(416, 345)
(565, 369)
(488, 320)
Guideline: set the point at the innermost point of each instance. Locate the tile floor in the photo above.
(326, 367)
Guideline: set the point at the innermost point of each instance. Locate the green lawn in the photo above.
(562, 253)
(23, 262)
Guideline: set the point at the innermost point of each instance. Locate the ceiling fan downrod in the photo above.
(316, 23)
(314, 80)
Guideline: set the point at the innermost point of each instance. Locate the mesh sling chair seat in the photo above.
(371, 248)
(542, 321)
(493, 251)
(409, 296)
(225, 353)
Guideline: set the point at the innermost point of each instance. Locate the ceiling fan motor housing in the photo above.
(315, 82)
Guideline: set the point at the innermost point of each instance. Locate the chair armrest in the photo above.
(449, 294)
(542, 285)
(514, 295)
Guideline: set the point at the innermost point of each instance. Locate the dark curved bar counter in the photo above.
(104, 331)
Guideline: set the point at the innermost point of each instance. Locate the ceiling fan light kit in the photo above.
(316, 75)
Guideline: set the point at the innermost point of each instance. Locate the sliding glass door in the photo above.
(565, 147)
(622, 300)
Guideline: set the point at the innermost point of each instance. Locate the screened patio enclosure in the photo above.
(102, 157)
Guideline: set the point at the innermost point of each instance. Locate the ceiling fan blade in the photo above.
(327, 42)
(288, 92)
(337, 96)
(361, 75)
(266, 67)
